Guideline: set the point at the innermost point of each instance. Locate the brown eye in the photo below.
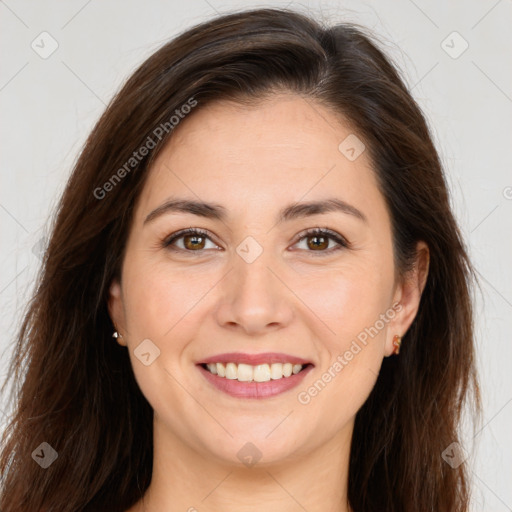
(318, 242)
(190, 240)
(322, 241)
(193, 242)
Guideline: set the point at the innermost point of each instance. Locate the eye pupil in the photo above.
(322, 245)
(194, 244)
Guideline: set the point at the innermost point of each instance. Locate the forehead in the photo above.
(281, 149)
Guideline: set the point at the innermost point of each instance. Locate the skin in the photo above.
(294, 298)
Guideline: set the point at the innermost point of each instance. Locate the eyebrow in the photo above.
(293, 211)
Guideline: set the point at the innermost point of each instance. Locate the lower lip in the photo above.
(255, 389)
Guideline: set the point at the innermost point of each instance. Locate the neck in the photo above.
(186, 480)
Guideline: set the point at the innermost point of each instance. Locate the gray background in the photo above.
(48, 106)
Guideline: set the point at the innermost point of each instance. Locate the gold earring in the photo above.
(397, 341)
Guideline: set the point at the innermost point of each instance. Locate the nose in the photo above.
(254, 299)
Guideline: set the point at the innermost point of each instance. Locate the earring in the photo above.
(117, 335)
(397, 341)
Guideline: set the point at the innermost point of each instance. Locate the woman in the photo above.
(255, 294)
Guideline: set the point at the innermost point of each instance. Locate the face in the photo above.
(264, 278)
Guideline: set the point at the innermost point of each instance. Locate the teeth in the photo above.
(296, 368)
(221, 370)
(262, 373)
(259, 373)
(231, 371)
(276, 371)
(245, 372)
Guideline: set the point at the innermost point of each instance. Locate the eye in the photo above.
(318, 240)
(190, 240)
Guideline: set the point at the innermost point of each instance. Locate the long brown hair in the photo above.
(73, 387)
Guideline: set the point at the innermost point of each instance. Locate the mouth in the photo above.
(249, 373)
(254, 376)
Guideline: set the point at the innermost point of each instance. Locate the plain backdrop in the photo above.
(456, 57)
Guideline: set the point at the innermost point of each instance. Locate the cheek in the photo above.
(159, 307)
(340, 390)
(348, 298)
(351, 306)
(157, 298)
(353, 302)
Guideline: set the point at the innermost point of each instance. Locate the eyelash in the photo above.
(320, 232)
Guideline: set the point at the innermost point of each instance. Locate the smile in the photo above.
(254, 375)
(259, 373)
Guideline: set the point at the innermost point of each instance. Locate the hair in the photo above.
(74, 387)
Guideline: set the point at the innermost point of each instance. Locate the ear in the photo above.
(408, 295)
(116, 309)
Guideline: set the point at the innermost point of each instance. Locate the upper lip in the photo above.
(254, 359)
